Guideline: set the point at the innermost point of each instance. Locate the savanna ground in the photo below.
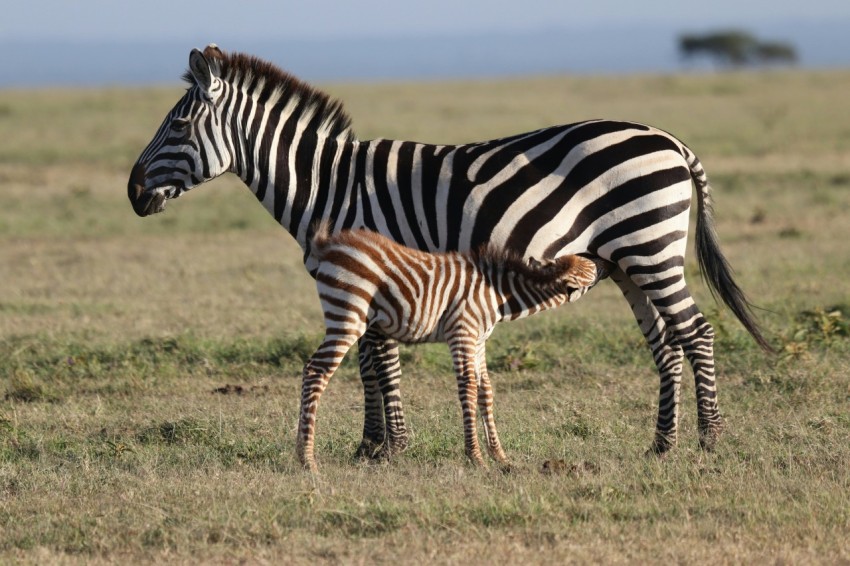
(149, 368)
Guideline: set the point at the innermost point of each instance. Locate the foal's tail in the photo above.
(714, 267)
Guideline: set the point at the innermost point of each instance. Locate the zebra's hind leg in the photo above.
(698, 344)
(485, 406)
(668, 357)
(695, 336)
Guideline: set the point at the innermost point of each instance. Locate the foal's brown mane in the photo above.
(330, 116)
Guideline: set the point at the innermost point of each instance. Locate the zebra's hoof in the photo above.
(660, 448)
(368, 449)
(708, 440)
(709, 434)
(389, 449)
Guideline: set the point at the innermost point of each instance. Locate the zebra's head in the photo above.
(188, 148)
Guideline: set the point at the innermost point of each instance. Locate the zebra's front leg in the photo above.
(317, 372)
(463, 358)
(668, 357)
(373, 419)
(387, 366)
(485, 405)
(384, 430)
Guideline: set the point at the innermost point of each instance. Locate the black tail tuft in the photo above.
(714, 267)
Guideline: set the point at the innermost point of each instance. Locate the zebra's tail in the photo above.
(715, 268)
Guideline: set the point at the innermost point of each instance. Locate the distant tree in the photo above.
(729, 48)
(776, 52)
(735, 48)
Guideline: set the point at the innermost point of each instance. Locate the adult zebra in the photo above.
(616, 191)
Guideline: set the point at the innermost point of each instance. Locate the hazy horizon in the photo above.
(46, 43)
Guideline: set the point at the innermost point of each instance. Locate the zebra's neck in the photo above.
(520, 297)
(302, 176)
(297, 174)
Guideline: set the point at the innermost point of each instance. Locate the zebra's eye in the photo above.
(179, 124)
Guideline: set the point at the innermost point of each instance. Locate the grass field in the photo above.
(149, 368)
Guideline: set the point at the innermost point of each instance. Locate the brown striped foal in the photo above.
(368, 282)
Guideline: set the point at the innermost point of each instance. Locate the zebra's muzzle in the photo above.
(144, 202)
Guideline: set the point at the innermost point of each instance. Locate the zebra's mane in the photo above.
(325, 113)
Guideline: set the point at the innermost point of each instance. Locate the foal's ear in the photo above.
(579, 277)
(582, 273)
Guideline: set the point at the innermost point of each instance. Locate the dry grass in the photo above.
(117, 331)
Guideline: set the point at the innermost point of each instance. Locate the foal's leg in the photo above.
(317, 372)
(485, 405)
(463, 357)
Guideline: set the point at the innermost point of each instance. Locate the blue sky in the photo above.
(322, 19)
(115, 42)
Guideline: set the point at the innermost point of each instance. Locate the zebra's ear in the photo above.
(200, 69)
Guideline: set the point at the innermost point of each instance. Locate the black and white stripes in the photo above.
(612, 190)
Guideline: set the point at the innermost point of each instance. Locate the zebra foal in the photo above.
(368, 283)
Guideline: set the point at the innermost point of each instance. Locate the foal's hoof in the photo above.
(553, 467)
(310, 467)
